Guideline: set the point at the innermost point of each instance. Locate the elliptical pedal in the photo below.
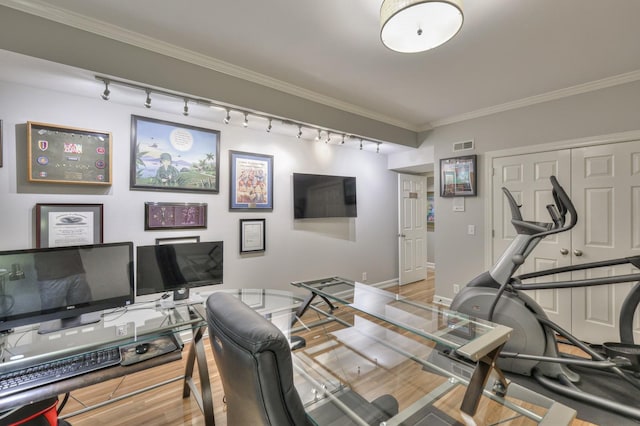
(624, 350)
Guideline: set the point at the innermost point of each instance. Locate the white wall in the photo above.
(460, 257)
(296, 250)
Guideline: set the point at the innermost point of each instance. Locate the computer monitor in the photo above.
(178, 267)
(64, 287)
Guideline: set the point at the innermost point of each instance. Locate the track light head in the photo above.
(269, 126)
(378, 148)
(185, 110)
(319, 135)
(299, 135)
(246, 120)
(328, 137)
(360, 144)
(107, 92)
(147, 102)
(342, 142)
(227, 118)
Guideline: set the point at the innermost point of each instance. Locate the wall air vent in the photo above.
(462, 146)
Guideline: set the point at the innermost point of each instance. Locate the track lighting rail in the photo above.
(191, 100)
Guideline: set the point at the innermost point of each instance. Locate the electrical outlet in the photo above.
(471, 229)
(456, 288)
(364, 276)
(121, 330)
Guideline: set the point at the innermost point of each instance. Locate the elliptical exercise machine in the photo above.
(532, 350)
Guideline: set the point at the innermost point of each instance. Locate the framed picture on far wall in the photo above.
(458, 176)
(174, 157)
(251, 181)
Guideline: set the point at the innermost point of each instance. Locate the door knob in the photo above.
(577, 252)
(564, 251)
(401, 235)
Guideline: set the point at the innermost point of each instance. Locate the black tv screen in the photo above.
(59, 285)
(316, 196)
(170, 267)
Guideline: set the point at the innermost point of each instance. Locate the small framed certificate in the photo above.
(68, 224)
(252, 235)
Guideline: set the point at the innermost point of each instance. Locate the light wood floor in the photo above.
(165, 406)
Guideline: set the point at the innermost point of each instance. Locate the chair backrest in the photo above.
(254, 362)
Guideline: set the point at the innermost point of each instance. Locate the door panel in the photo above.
(412, 235)
(605, 190)
(527, 177)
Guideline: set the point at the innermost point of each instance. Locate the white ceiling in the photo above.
(509, 53)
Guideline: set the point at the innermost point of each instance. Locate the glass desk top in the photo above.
(470, 337)
(349, 355)
(116, 328)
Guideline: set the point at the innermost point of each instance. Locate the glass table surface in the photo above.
(353, 360)
(118, 328)
(470, 337)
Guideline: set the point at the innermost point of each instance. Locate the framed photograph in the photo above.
(251, 181)
(60, 225)
(252, 235)
(175, 215)
(68, 155)
(174, 157)
(458, 176)
(178, 240)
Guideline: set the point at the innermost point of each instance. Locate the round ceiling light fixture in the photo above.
(410, 26)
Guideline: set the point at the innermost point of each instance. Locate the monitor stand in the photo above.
(64, 323)
(181, 293)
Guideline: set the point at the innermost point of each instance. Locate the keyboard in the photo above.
(53, 371)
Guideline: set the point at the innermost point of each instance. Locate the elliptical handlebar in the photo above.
(564, 205)
(558, 212)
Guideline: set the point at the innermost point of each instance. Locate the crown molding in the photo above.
(538, 99)
(72, 19)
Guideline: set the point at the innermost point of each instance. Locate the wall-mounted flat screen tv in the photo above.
(316, 196)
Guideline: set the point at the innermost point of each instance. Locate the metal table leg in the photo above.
(203, 397)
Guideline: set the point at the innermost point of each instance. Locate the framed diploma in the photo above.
(68, 224)
(252, 235)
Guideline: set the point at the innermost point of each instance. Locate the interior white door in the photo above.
(527, 178)
(412, 232)
(606, 193)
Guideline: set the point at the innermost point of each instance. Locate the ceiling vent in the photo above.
(462, 146)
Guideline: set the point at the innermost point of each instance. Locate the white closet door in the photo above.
(606, 191)
(527, 177)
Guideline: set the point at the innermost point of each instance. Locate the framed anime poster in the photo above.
(60, 154)
(168, 156)
(251, 181)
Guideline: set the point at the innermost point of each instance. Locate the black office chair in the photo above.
(254, 363)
